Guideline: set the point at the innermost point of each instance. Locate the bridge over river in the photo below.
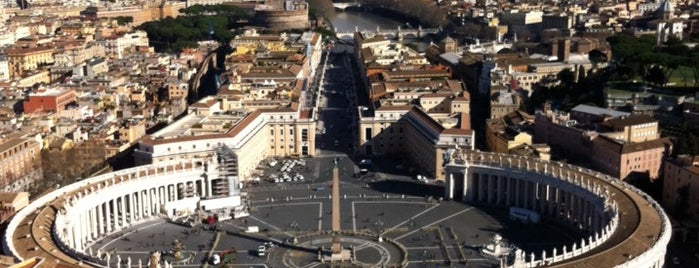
(396, 33)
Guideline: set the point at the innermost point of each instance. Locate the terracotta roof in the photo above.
(207, 104)
(16, 51)
(435, 95)
(457, 131)
(626, 148)
(465, 121)
(395, 108)
(306, 114)
(429, 121)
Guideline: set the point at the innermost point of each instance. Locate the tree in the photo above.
(596, 57)
(124, 20)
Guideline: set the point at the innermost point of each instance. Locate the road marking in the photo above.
(320, 217)
(411, 218)
(354, 220)
(433, 223)
(264, 222)
(236, 226)
(290, 204)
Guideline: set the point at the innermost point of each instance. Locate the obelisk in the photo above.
(336, 247)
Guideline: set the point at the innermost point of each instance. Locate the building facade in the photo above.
(20, 162)
(49, 100)
(681, 187)
(22, 60)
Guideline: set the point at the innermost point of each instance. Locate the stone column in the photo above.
(587, 214)
(527, 194)
(70, 238)
(93, 223)
(156, 201)
(76, 235)
(481, 186)
(518, 189)
(489, 179)
(172, 192)
(544, 198)
(84, 228)
(132, 208)
(553, 203)
(115, 215)
(450, 186)
(143, 197)
(123, 210)
(500, 192)
(100, 219)
(206, 185)
(162, 193)
(136, 205)
(508, 200)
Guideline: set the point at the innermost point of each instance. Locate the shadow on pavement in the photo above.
(408, 188)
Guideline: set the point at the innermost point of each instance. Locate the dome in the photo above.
(666, 7)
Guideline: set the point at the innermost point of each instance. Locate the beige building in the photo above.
(177, 89)
(19, 157)
(407, 130)
(116, 46)
(22, 60)
(132, 131)
(681, 186)
(11, 202)
(252, 137)
(623, 159)
(621, 146)
(508, 132)
(634, 128)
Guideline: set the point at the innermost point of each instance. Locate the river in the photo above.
(345, 21)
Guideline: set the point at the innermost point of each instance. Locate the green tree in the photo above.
(596, 57)
(124, 20)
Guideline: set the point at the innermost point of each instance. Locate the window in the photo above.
(271, 131)
(291, 132)
(304, 134)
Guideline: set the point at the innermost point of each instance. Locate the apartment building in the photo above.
(48, 100)
(117, 46)
(623, 159)
(20, 159)
(619, 146)
(522, 21)
(509, 131)
(253, 137)
(4, 68)
(22, 60)
(681, 186)
(408, 130)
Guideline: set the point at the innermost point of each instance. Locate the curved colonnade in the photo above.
(60, 225)
(625, 226)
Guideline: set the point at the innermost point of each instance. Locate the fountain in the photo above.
(177, 254)
(496, 248)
